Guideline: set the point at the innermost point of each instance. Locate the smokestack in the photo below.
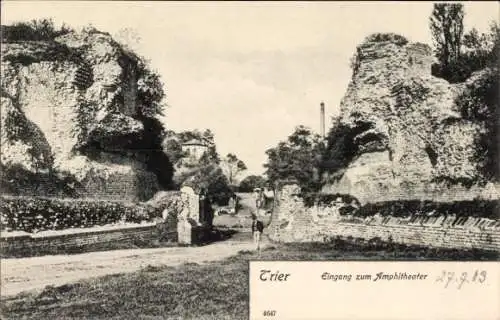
(322, 119)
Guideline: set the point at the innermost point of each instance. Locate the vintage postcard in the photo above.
(249, 160)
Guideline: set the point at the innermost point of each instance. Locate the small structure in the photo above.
(190, 212)
(196, 147)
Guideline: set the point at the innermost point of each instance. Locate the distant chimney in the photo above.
(322, 119)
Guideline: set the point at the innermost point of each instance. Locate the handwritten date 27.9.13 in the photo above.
(449, 277)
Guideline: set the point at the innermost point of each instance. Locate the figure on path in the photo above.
(257, 229)
(260, 201)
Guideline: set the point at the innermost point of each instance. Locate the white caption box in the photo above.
(374, 290)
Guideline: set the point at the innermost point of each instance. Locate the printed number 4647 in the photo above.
(269, 313)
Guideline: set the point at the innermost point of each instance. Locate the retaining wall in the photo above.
(78, 240)
(292, 221)
(180, 207)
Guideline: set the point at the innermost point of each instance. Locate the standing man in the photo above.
(260, 201)
(257, 228)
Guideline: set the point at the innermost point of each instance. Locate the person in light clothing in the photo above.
(257, 228)
(260, 203)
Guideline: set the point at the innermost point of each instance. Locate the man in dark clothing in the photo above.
(257, 228)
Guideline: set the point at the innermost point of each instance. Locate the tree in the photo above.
(172, 147)
(480, 102)
(296, 158)
(232, 167)
(447, 29)
(481, 50)
(446, 23)
(150, 145)
(249, 183)
(150, 92)
(212, 180)
(340, 149)
(210, 156)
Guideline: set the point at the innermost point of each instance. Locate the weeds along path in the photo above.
(34, 273)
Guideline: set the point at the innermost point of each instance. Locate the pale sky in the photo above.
(249, 71)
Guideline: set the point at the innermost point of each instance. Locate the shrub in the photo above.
(50, 51)
(297, 158)
(384, 37)
(407, 208)
(479, 103)
(37, 214)
(479, 51)
(341, 148)
(210, 180)
(36, 30)
(311, 199)
(468, 208)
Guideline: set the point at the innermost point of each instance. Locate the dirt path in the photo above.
(35, 273)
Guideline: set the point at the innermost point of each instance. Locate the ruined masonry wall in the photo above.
(94, 238)
(293, 222)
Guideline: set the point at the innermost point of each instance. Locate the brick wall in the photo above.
(134, 184)
(82, 240)
(292, 221)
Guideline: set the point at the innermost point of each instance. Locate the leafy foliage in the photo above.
(204, 173)
(296, 158)
(408, 208)
(172, 146)
(249, 183)
(210, 179)
(232, 167)
(323, 199)
(341, 148)
(16, 180)
(481, 50)
(52, 51)
(469, 208)
(35, 30)
(38, 30)
(38, 214)
(150, 145)
(19, 128)
(202, 136)
(460, 54)
(383, 37)
(150, 93)
(210, 156)
(480, 102)
(446, 23)
(147, 147)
